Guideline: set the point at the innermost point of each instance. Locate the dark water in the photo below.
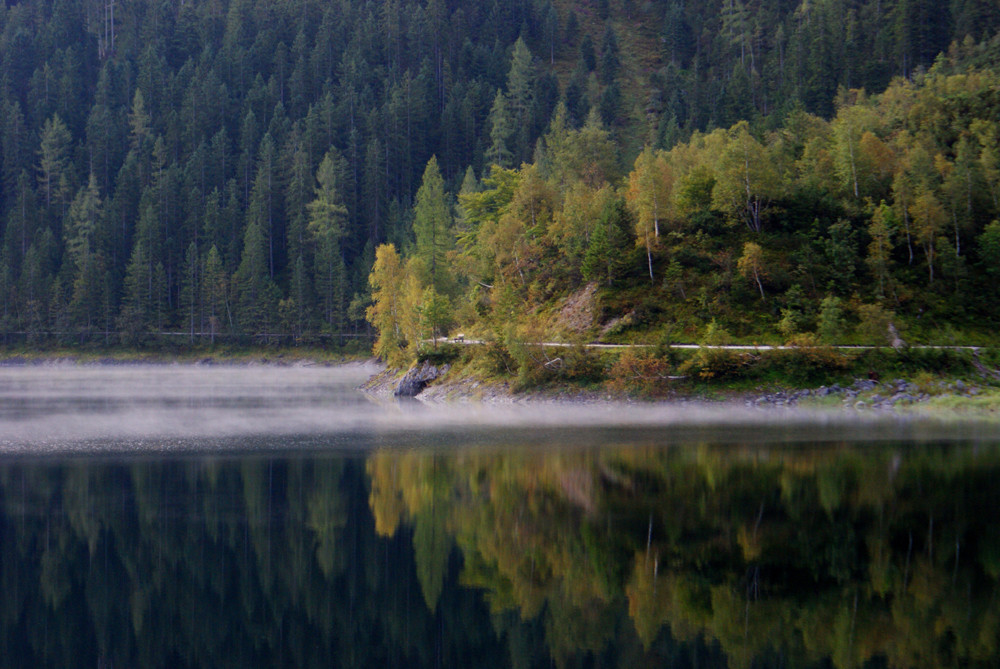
(402, 536)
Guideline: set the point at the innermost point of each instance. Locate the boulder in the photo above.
(417, 379)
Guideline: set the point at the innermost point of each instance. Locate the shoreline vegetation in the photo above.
(795, 271)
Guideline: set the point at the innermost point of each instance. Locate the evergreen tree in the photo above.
(255, 293)
(521, 99)
(54, 177)
(87, 261)
(191, 291)
(327, 218)
(140, 304)
(607, 253)
(503, 133)
(432, 227)
(214, 292)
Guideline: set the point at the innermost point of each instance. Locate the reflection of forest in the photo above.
(234, 564)
(851, 555)
(702, 557)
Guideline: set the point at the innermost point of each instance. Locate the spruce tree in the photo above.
(88, 266)
(432, 227)
(327, 220)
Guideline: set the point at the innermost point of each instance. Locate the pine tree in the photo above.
(502, 133)
(521, 99)
(140, 304)
(256, 295)
(607, 253)
(53, 166)
(327, 219)
(88, 283)
(214, 291)
(300, 291)
(191, 291)
(262, 208)
(432, 226)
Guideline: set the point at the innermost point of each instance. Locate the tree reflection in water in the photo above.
(845, 555)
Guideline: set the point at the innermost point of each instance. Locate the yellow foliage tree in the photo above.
(388, 313)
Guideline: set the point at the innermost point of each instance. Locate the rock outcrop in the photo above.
(417, 379)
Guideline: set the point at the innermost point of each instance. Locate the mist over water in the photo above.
(182, 408)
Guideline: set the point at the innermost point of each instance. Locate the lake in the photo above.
(215, 516)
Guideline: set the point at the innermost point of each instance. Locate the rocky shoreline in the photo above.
(426, 383)
(867, 394)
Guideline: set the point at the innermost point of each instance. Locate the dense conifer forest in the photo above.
(216, 168)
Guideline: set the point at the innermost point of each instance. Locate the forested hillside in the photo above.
(219, 167)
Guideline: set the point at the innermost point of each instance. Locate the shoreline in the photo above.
(946, 397)
(280, 358)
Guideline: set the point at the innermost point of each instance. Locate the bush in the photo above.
(643, 373)
(716, 335)
(874, 323)
(831, 320)
(580, 364)
(498, 359)
(807, 362)
(720, 364)
(444, 354)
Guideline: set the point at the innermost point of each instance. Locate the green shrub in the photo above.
(444, 354)
(805, 364)
(720, 364)
(831, 324)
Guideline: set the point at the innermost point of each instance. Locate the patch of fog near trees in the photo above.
(178, 408)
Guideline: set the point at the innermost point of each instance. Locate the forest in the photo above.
(236, 169)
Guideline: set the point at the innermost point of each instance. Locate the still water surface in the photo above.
(212, 517)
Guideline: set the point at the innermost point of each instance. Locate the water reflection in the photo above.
(847, 555)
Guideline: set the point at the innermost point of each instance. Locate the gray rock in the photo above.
(959, 386)
(416, 380)
(894, 338)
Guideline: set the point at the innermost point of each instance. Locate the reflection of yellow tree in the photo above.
(821, 554)
(386, 498)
